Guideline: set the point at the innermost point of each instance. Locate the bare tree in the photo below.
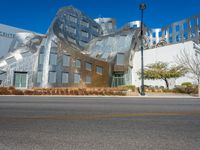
(191, 61)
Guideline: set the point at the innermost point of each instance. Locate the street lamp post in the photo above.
(142, 8)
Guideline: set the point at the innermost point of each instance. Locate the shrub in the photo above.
(186, 90)
(17, 92)
(4, 91)
(187, 84)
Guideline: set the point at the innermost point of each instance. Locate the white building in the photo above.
(166, 54)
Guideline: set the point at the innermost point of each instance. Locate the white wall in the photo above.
(164, 54)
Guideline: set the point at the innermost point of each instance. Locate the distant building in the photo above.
(78, 51)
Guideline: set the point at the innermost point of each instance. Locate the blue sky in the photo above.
(36, 15)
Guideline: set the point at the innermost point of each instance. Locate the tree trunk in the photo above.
(166, 82)
(199, 90)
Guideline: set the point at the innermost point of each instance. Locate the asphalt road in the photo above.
(99, 123)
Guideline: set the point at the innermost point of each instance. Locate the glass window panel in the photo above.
(41, 59)
(17, 80)
(76, 78)
(73, 19)
(53, 59)
(185, 26)
(84, 23)
(177, 28)
(71, 29)
(120, 59)
(39, 77)
(88, 66)
(78, 63)
(84, 33)
(66, 60)
(88, 79)
(82, 43)
(154, 34)
(95, 28)
(52, 77)
(71, 40)
(23, 80)
(99, 70)
(65, 77)
(20, 80)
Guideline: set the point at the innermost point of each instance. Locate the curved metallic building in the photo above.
(78, 51)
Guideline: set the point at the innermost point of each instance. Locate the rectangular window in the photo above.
(93, 36)
(76, 78)
(170, 30)
(52, 77)
(120, 59)
(53, 59)
(154, 34)
(177, 28)
(78, 63)
(160, 34)
(88, 66)
(192, 23)
(66, 60)
(82, 43)
(71, 29)
(65, 77)
(84, 34)
(185, 35)
(71, 40)
(39, 76)
(95, 29)
(185, 26)
(99, 70)
(88, 79)
(41, 59)
(72, 19)
(84, 23)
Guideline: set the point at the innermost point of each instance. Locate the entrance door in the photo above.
(20, 79)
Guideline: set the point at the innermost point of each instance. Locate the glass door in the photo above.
(20, 79)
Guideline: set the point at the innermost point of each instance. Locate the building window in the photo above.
(154, 34)
(192, 23)
(72, 19)
(20, 79)
(120, 59)
(53, 59)
(78, 63)
(52, 77)
(170, 39)
(39, 76)
(93, 36)
(84, 34)
(88, 66)
(82, 43)
(41, 59)
(66, 60)
(84, 23)
(65, 77)
(71, 40)
(88, 79)
(71, 29)
(185, 35)
(177, 28)
(76, 78)
(185, 26)
(95, 29)
(99, 70)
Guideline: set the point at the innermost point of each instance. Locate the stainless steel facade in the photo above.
(79, 51)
